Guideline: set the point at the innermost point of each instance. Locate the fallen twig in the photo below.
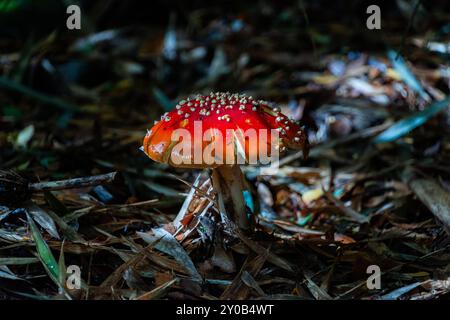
(432, 195)
(15, 189)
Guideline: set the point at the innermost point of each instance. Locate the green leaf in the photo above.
(408, 77)
(402, 127)
(44, 253)
(163, 99)
(54, 101)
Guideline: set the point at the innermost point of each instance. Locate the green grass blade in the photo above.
(10, 85)
(44, 253)
(408, 77)
(404, 126)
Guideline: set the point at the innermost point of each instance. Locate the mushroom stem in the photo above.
(228, 183)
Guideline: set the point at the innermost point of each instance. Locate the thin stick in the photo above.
(349, 212)
(74, 183)
(432, 195)
(366, 133)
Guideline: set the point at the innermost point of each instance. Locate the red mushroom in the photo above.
(217, 131)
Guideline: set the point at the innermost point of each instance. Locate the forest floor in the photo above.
(373, 195)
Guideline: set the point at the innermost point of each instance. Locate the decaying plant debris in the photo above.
(375, 189)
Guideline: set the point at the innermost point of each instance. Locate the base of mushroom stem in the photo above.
(228, 183)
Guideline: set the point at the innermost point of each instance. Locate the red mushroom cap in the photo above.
(223, 114)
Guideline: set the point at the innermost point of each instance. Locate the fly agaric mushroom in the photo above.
(212, 131)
